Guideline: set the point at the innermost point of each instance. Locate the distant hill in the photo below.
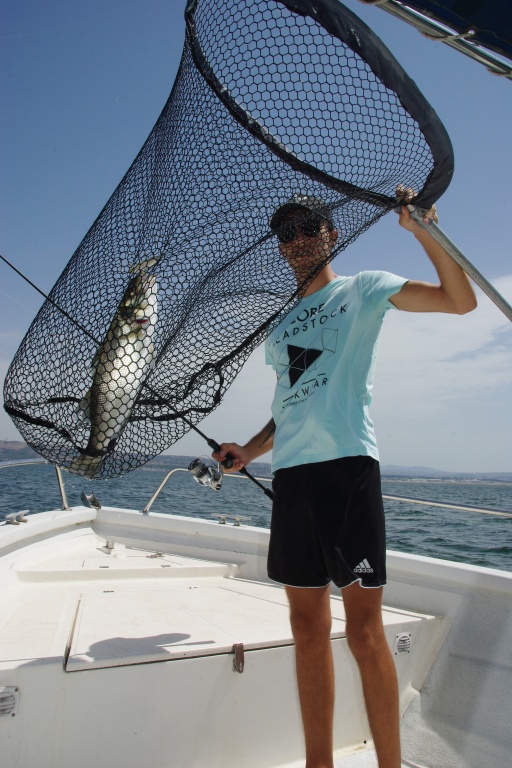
(10, 450)
(396, 470)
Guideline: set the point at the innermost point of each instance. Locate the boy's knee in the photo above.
(308, 627)
(365, 641)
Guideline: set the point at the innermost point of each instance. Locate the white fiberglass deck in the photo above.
(118, 628)
(125, 606)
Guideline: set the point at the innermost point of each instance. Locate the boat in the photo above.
(133, 638)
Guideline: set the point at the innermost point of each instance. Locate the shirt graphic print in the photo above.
(323, 353)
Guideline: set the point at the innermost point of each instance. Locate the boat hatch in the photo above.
(134, 627)
(125, 627)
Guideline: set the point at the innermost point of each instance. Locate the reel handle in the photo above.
(228, 463)
(228, 460)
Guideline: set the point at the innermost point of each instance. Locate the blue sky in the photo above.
(82, 86)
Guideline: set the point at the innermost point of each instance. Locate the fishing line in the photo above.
(271, 99)
(228, 461)
(48, 299)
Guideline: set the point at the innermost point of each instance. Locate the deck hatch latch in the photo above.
(238, 661)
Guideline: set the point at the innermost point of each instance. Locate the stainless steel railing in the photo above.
(26, 462)
(145, 510)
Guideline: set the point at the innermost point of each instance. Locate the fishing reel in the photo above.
(209, 476)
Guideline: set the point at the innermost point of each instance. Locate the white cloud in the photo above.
(446, 355)
(442, 390)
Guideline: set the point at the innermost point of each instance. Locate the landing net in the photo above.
(180, 278)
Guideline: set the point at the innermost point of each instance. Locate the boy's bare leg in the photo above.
(366, 639)
(310, 617)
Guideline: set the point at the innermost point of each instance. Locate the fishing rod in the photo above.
(227, 463)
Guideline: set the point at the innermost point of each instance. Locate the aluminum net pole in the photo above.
(457, 255)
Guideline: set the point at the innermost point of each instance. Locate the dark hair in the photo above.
(304, 203)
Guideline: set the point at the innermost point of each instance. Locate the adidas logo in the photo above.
(363, 567)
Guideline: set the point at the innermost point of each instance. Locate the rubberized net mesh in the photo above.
(180, 277)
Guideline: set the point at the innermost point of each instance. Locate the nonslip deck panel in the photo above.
(118, 628)
(134, 627)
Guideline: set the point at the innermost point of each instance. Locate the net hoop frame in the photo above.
(128, 229)
(341, 23)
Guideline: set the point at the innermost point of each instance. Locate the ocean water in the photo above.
(471, 537)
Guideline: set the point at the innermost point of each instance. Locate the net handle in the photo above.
(449, 246)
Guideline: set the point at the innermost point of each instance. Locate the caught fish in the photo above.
(119, 369)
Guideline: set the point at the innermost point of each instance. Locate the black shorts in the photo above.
(328, 524)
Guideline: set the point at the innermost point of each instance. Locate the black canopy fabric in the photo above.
(180, 278)
(491, 20)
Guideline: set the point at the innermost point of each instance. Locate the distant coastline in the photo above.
(13, 450)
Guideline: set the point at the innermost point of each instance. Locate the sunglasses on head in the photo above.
(309, 227)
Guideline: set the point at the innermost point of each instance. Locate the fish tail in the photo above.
(143, 265)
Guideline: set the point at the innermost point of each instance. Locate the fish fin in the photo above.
(95, 362)
(84, 407)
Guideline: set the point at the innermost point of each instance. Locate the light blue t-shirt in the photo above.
(324, 354)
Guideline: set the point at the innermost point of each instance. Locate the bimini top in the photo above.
(472, 28)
